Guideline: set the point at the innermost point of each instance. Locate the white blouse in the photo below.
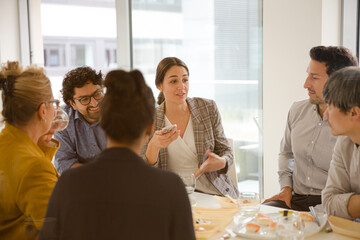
(182, 158)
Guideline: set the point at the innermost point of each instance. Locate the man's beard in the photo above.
(92, 115)
(317, 100)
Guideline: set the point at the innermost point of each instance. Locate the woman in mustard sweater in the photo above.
(27, 176)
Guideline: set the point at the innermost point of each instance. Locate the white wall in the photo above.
(290, 30)
(9, 35)
(9, 31)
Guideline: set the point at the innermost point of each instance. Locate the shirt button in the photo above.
(227, 189)
(319, 124)
(312, 142)
(309, 159)
(308, 178)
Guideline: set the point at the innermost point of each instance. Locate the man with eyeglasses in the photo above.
(83, 139)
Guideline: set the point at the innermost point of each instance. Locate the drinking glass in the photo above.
(249, 203)
(60, 120)
(289, 228)
(189, 182)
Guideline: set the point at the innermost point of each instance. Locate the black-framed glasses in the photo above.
(55, 103)
(98, 96)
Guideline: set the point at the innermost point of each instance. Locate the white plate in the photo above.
(310, 228)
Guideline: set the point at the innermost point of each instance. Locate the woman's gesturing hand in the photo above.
(212, 163)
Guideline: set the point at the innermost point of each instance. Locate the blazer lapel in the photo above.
(160, 123)
(198, 128)
(160, 117)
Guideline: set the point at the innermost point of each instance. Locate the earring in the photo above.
(43, 120)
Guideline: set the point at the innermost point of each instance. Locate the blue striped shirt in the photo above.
(80, 142)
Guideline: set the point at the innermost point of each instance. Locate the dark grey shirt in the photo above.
(80, 142)
(344, 178)
(305, 150)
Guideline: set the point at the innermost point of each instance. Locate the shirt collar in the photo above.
(315, 108)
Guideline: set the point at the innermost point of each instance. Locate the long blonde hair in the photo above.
(23, 91)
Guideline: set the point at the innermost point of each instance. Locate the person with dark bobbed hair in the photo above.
(27, 176)
(199, 145)
(119, 196)
(307, 145)
(341, 196)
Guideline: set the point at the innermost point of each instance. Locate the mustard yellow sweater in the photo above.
(27, 179)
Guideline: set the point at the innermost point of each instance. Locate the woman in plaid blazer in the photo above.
(199, 144)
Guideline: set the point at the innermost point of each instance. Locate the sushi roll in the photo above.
(252, 227)
(306, 217)
(273, 226)
(264, 221)
(261, 215)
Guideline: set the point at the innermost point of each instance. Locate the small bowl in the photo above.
(344, 226)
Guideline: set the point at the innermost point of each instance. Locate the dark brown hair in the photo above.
(23, 91)
(77, 78)
(163, 66)
(342, 89)
(334, 58)
(128, 106)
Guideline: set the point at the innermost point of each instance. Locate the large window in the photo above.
(77, 33)
(220, 41)
(350, 25)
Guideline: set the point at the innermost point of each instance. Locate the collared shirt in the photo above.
(344, 178)
(80, 142)
(305, 150)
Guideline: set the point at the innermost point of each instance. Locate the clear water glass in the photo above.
(249, 203)
(189, 182)
(60, 121)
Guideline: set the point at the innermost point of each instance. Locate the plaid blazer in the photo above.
(208, 134)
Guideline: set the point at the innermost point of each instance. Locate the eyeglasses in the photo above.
(55, 103)
(98, 96)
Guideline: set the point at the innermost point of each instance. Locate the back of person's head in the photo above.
(23, 91)
(342, 89)
(128, 107)
(77, 78)
(334, 58)
(163, 66)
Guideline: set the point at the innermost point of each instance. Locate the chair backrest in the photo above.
(232, 170)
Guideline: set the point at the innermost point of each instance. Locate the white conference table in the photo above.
(208, 201)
